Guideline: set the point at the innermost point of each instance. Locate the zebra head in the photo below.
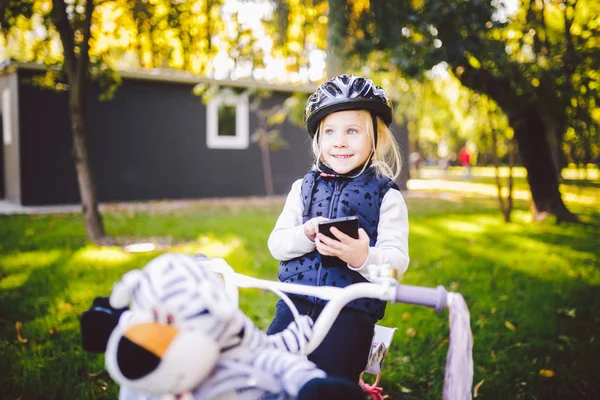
(167, 341)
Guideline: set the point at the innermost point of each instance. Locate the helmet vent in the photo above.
(346, 92)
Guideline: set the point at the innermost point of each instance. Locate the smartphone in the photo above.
(348, 225)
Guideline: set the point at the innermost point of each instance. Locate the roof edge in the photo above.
(173, 76)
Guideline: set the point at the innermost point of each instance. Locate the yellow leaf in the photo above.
(476, 388)
(18, 326)
(510, 326)
(547, 373)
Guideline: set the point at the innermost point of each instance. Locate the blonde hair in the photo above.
(387, 158)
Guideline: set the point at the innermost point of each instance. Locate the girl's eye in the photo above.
(352, 132)
(328, 132)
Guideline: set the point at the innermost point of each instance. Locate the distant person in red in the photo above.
(464, 158)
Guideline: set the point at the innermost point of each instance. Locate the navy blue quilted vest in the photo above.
(334, 197)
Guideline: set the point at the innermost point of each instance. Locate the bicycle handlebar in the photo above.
(387, 289)
(423, 296)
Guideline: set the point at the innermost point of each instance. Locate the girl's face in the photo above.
(344, 140)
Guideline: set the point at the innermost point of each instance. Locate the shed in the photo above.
(154, 140)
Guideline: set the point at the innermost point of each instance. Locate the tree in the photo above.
(78, 27)
(298, 29)
(539, 63)
(267, 134)
(73, 24)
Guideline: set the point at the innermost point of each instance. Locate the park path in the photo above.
(162, 206)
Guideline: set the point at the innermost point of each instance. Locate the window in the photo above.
(6, 120)
(227, 122)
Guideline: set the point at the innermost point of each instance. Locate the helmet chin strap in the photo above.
(375, 133)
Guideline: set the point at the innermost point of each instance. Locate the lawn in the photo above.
(533, 288)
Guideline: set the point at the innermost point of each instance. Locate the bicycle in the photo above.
(185, 336)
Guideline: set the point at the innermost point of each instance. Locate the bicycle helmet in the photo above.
(346, 92)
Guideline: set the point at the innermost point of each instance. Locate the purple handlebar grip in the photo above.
(434, 298)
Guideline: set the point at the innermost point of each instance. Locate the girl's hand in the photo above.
(354, 252)
(311, 227)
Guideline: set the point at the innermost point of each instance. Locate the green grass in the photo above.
(533, 290)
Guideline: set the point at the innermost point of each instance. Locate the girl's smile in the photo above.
(344, 140)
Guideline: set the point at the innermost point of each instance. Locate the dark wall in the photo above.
(1, 158)
(47, 169)
(149, 142)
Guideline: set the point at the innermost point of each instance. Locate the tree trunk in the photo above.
(505, 208)
(335, 41)
(267, 173)
(85, 178)
(536, 155)
(76, 68)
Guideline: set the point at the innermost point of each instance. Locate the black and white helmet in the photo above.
(346, 92)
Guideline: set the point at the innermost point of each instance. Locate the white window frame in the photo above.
(6, 117)
(241, 140)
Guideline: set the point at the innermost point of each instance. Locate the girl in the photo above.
(356, 162)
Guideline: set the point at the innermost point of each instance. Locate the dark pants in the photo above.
(345, 350)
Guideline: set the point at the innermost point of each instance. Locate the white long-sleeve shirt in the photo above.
(288, 239)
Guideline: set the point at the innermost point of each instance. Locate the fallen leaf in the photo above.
(405, 316)
(566, 339)
(570, 312)
(18, 326)
(53, 331)
(411, 332)
(493, 354)
(405, 389)
(510, 326)
(476, 388)
(547, 373)
(94, 374)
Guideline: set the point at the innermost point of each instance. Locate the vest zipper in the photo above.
(336, 195)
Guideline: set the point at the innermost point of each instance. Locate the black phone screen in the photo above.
(348, 225)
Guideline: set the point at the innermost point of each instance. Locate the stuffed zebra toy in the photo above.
(181, 335)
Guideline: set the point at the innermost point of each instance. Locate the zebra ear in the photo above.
(123, 290)
(221, 299)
